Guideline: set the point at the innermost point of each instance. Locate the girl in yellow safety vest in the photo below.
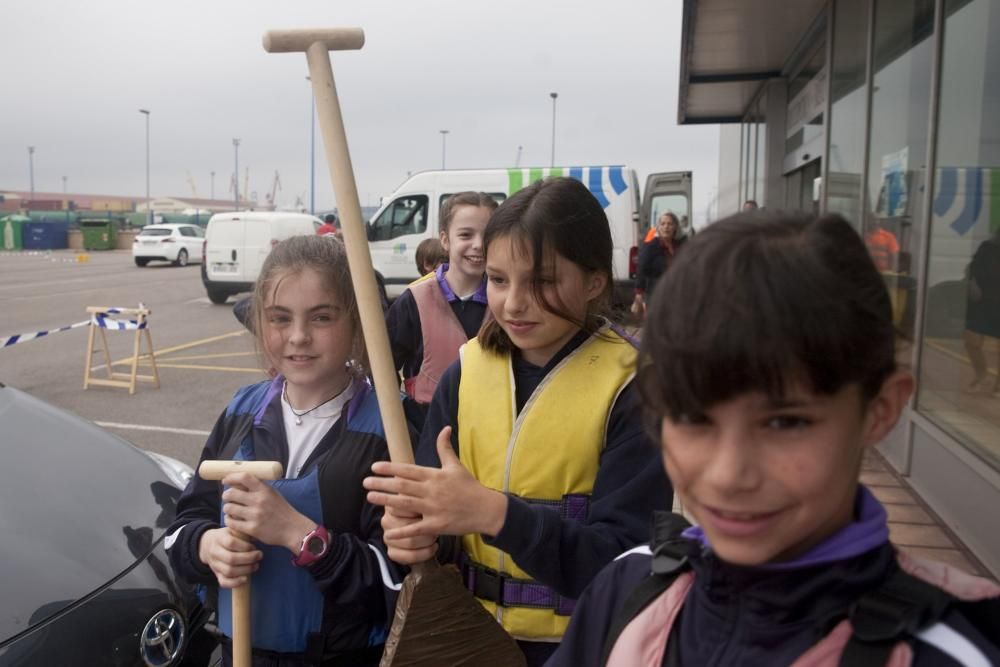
(534, 448)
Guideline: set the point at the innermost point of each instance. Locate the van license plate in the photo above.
(219, 267)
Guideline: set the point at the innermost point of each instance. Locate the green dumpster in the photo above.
(12, 232)
(136, 220)
(99, 234)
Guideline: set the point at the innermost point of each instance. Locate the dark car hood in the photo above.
(78, 507)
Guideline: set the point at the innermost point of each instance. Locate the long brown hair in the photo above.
(327, 257)
(553, 216)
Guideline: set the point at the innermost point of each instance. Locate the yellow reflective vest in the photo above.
(549, 450)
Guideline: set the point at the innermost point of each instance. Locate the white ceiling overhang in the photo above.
(729, 48)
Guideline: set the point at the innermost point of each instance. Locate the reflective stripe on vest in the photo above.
(551, 449)
(442, 336)
(287, 606)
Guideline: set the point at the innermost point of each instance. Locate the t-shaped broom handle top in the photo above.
(260, 469)
(294, 41)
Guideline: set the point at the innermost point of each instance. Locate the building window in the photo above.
(959, 387)
(746, 159)
(804, 138)
(760, 166)
(753, 136)
(848, 108)
(900, 107)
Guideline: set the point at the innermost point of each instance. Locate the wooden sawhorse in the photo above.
(134, 319)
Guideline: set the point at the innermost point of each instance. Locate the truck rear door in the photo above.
(666, 192)
(224, 250)
(259, 236)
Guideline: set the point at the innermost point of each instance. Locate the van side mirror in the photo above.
(369, 230)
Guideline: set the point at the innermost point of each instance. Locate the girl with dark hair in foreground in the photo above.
(768, 371)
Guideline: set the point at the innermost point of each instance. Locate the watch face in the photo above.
(315, 545)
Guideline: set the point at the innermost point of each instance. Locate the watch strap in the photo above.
(306, 557)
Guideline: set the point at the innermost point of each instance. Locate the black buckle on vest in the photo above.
(902, 605)
(670, 557)
(878, 617)
(488, 585)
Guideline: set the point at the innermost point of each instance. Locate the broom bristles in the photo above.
(439, 622)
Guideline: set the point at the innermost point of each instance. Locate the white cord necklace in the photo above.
(300, 415)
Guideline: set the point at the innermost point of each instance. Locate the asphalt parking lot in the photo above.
(202, 353)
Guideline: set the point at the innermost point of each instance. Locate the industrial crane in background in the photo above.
(245, 196)
(275, 186)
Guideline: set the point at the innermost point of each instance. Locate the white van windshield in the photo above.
(406, 215)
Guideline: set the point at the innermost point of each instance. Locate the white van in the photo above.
(410, 214)
(237, 243)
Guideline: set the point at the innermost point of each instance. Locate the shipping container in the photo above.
(44, 205)
(70, 218)
(113, 205)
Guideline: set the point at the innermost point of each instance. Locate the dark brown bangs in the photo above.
(756, 305)
(555, 216)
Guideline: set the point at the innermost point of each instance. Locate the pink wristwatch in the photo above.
(314, 546)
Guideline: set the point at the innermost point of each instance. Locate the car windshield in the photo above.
(155, 231)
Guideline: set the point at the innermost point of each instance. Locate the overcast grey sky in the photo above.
(75, 74)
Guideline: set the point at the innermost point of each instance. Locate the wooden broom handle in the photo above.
(216, 470)
(356, 242)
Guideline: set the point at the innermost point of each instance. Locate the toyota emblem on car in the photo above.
(162, 639)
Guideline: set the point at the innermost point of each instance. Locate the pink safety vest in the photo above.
(643, 641)
(443, 335)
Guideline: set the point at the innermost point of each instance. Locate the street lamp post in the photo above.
(31, 170)
(149, 208)
(444, 137)
(312, 150)
(236, 177)
(64, 184)
(552, 162)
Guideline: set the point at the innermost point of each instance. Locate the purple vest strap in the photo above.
(506, 591)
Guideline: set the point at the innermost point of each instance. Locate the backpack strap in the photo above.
(670, 554)
(896, 611)
(984, 615)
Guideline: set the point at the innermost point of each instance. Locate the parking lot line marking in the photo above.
(233, 369)
(165, 429)
(195, 343)
(176, 348)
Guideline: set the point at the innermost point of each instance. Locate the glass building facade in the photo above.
(891, 120)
